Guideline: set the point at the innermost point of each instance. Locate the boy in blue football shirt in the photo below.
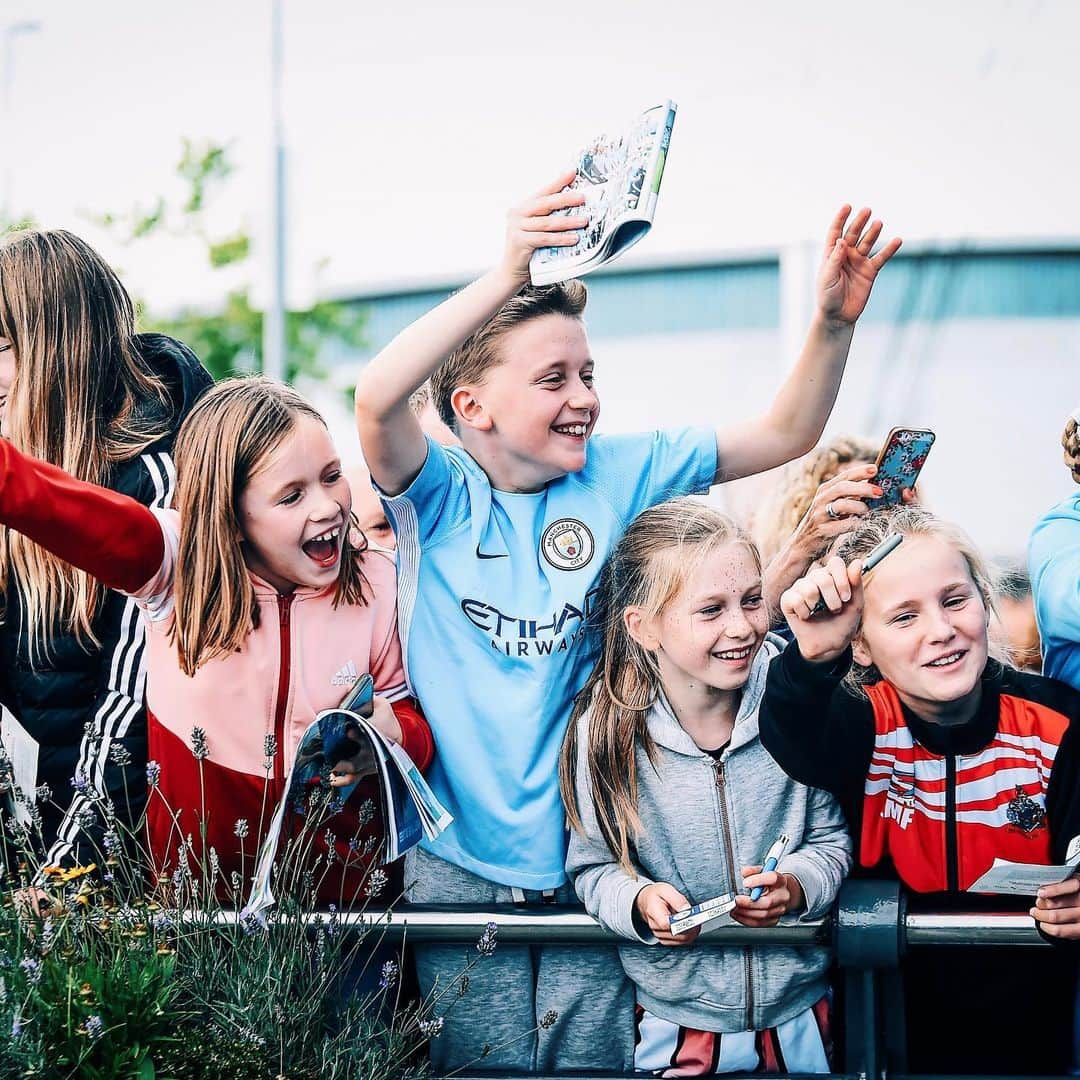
(500, 543)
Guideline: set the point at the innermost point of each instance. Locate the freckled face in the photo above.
(711, 631)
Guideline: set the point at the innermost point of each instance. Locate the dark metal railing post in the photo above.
(869, 926)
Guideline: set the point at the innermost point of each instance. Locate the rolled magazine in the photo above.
(619, 176)
(410, 809)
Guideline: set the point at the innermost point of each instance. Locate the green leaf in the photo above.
(146, 1069)
(232, 249)
(228, 338)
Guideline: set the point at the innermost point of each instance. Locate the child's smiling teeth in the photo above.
(324, 547)
(946, 661)
(571, 429)
(734, 654)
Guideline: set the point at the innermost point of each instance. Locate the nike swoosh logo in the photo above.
(481, 555)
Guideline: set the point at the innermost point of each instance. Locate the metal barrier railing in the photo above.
(869, 928)
(551, 924)
(556, 924)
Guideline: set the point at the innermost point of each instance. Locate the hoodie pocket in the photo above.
(679, 974)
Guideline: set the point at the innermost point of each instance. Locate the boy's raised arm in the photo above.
(393, 443)
(795, 420)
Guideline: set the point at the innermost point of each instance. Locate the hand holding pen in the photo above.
(774, 855)
(780, 893)
(824, 608)
(890, 543)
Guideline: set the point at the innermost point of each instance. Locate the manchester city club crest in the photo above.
(567, 544)
(1024, 812)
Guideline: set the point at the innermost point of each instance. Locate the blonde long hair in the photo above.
(83, 398)
(648, 567)
(779, 514)
(223, 442)
(915, 521)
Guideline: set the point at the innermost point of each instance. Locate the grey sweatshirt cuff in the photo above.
(621, 910)
(817, 888)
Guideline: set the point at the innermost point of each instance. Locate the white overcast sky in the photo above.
(412, 126)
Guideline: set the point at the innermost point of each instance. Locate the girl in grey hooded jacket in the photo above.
(673, 800)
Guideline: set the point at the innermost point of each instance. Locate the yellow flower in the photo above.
(63, 876)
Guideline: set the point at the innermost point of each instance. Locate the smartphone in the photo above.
(899, 464)
(360, 697)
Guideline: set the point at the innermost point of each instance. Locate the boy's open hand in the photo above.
(36, 903)
(782, 894)
(534, 224)
(849, 266)
(656, 904)
(824, 636)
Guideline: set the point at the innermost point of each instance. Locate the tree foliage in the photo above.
(228, 340)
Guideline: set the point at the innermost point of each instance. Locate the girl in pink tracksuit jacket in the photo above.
(259, 613)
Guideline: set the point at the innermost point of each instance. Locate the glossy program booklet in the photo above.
(619, 176)
(410, 809)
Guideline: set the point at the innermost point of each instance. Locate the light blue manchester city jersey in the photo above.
(1054, 561)
(494, 592)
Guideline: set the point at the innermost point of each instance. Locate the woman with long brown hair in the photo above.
(80, 389)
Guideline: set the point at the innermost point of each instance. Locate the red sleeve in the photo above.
(113, 538)
(416, 738)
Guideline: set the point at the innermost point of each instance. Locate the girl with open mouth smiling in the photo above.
(262, 606)
(944, 759)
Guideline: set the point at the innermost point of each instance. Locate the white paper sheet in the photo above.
(22, 751)
(1021, 879)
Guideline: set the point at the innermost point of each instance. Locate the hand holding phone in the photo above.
(899, 464)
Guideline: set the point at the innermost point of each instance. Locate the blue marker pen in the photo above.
(776, 853)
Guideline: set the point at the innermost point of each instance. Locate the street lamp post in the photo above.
(7, 84)
(274, 319)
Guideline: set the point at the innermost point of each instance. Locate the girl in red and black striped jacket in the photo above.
(944, 759)
(260, 612)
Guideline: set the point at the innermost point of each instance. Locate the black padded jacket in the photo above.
(84, 706)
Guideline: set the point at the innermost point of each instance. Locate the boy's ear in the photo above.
(470, 409)
(860, 653)
(640, 627)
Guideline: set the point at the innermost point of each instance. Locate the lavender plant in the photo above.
(134, 968)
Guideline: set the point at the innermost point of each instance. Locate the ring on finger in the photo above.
(830, 510)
